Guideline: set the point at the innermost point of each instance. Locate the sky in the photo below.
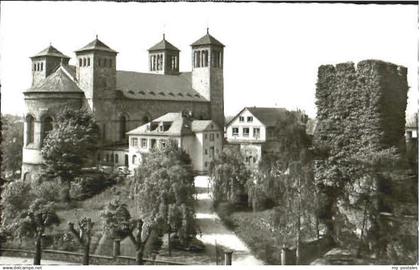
(272, 53)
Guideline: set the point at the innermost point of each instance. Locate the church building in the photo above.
(120, 100)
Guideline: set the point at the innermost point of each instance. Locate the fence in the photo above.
(74, 257)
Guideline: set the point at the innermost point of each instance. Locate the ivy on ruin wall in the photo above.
(360, 120)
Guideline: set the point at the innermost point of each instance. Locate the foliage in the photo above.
(229, 175)
(67, 147)
(116, 219)
(86, 186)
(11, 144)
(358, 142)
(16, 198)
(163, 188)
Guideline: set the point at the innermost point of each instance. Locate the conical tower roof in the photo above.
(96, 45)
(207, 40)
(163, 45)
(50, 51)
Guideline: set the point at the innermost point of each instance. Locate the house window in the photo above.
(205, 136)
(205, 164)
(35, 67)
(112, 158)
(162, 143)
(245, 132)
(110, 62)
(116, 158)
(134, 159)
(217, 135)
(249, 119)
(84, 62)
(256, 133)
(235, 131)
(30, 122)
(241, 119)
(211, 137)
(134, 142)
(88, 61)
(99, 156)
(80, 62)
(205, 152)
(42, 66)
(143, 143)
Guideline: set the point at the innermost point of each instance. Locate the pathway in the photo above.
(213, 230)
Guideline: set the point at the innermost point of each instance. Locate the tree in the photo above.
(83, 236)
(286, 179)
(25, 214)
(68, 146)
(11, 145)
(229, 175)
(119, 224)
(33, 223)
(163, 188)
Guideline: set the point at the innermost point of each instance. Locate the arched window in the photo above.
(134, 159)
(46, 127)
(145, 119)
(30, 129)
(122, 126)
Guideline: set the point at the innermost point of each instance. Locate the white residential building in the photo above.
(201, 139)
(252, 130)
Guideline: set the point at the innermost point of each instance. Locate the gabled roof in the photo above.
(59, 81)
(207, 40)
(203, 125)
(136, 85)
(50, 51)
(179, 125)
(163, 45)
(267, 116)
(96, 45)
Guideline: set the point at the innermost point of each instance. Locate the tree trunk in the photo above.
(38, 250)
(86, 249)
(139, 257)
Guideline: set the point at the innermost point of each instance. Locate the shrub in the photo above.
(89, 185)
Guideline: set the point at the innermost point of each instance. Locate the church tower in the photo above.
(96, 70)
(46, 62)
(164, 58)
(207, 74)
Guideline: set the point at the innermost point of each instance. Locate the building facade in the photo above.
(201, 139)
(252, 131)
(120, 100)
